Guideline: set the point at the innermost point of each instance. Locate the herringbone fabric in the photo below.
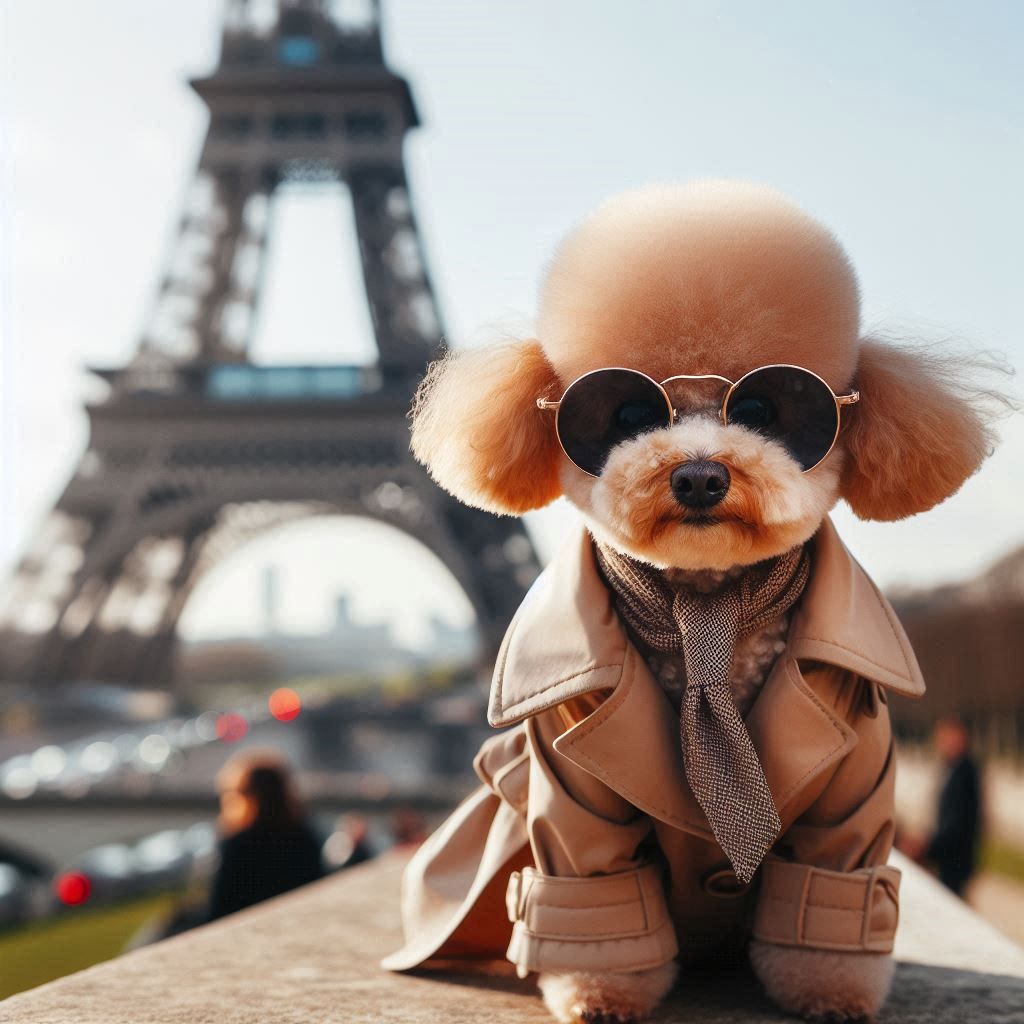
(721, 764)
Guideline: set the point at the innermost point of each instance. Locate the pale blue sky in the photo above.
(899, 124)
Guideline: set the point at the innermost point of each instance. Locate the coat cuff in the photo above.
(614, 922)
(854, 912)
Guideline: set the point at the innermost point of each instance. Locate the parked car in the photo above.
(25, 887)
(105, 874)
(114, 872)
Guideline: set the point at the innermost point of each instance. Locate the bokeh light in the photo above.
(19, 781)
(285, 704)
(73, 888)
(153, 752)
(231, 727)
(98, 757)
(48, 762)
(206, 726)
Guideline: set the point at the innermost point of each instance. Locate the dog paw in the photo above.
(823, 987)
(589, 997)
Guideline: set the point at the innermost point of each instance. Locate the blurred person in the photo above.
(953, 847)
(349, 844)
(267, 846)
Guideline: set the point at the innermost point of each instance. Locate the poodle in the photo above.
(699, 388)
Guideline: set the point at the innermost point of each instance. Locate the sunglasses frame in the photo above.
(850, 398)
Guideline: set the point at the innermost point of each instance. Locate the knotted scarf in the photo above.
(721, 764)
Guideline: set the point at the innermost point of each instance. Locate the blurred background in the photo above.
(216, 300)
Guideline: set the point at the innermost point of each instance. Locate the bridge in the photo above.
(358, 753)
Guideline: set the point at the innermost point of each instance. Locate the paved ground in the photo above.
(1000, 901)
(312, 958)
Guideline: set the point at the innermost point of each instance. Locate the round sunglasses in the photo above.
(786, 403)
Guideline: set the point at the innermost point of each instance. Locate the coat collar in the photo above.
(566, 640)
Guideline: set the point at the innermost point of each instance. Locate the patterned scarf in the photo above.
(721, 763)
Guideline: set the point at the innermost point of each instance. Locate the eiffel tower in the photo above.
(195, 450)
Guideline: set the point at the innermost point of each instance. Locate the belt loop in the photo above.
(801, 917)
(513, 896)
(869, 891)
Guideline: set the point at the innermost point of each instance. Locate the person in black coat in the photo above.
(953, 848)
(268, 846)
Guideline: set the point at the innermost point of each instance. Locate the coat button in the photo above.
(723, 884)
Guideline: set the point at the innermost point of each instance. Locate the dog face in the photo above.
(708, 279)
(747, 498)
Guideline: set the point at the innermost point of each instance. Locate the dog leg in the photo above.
(822, 986)
(606, 998)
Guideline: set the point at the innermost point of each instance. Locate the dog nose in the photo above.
(699, 484)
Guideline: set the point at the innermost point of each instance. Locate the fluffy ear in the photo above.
(477, 428)
(919, 431)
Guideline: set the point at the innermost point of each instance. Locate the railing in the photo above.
(312, 956)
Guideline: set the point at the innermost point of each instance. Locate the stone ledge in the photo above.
(312, 958)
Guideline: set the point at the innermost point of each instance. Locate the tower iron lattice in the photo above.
(195, 449)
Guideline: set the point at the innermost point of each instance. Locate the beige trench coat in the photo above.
(585, 847)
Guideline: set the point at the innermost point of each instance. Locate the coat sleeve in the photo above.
(827, 885)
(592, 899)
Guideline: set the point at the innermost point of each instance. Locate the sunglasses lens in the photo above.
(788, 405)
(605, 408)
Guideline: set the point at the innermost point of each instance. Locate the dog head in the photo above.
(710, 280)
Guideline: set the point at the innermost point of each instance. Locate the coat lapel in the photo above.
(631, 743)
(566, 640)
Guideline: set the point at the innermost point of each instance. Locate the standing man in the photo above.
(953, 848)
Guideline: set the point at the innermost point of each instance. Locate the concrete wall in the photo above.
(312, 958)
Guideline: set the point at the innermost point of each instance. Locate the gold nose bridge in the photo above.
(694, 393)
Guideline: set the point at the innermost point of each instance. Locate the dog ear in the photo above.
(919, 431)
(477, 428)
